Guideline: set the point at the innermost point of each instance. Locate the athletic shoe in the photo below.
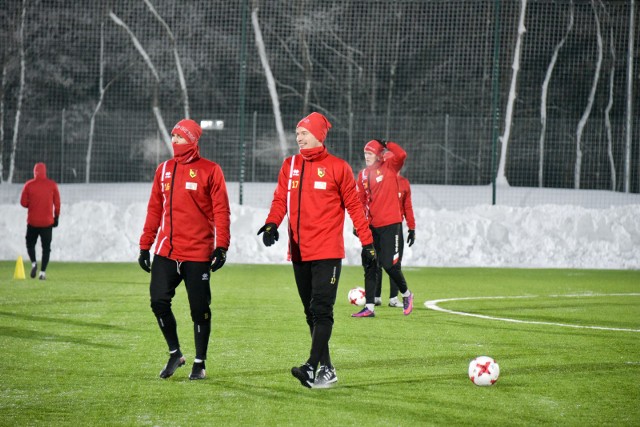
(197, 371)
(365, 312)
(175, 361)
(304, 374)
(43, 276)
(378, 301)
(407, 304)
(325, 378)
(395, 302)
(34, 268)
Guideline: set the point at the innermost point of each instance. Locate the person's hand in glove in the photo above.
(144, 259)
(55, 221)
(411, 237)
(218, 258)
(369, 256)
(270, 235)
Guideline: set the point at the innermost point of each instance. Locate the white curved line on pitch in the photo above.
(433, 305)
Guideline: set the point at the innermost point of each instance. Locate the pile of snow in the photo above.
(456, 226)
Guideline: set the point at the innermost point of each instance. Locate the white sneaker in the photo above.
(43, 275)
(394, 302)
(325, 378)
(378, 301)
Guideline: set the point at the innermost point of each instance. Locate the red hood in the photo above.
(40, 171)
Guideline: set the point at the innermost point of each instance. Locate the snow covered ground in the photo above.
(456, 226)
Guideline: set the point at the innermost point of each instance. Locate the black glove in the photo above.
(218, 258)
(382, 142)
(55, 221)
(144, 259)
(355, 232)
(411, 237)
(270, 235)
(369, 256)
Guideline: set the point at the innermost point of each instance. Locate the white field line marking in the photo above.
(433, 305)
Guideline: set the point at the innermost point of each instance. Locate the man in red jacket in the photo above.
(377, 187)
(41, 197)
(187, 217)
(406, 207)
(313, 190)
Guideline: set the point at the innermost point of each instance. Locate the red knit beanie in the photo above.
(374, 147)
(188, 129)
(317, 124)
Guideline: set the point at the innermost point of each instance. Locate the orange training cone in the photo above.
(19, 271)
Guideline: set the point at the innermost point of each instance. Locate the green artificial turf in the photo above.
(83, 348)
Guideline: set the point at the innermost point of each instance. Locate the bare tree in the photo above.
(607, 112)
(630, 57)
(587, 112)
(543, 98)
(155, 104)
(102, 89)
(183, 83)
(504, 139)
(271, 84)
(16, 126)
(3, 85)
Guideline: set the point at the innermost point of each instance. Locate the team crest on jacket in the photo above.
(193, 173)
(321, 172)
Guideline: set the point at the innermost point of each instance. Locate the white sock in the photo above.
(34, 264)
(371, 307)
(406, 294)
(198, 360)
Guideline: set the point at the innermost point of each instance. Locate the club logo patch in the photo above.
(193, 173)
(321, 172)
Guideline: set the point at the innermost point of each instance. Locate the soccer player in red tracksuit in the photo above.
(377, 186)
(314, 188)
(187, 217)
(406, 207)
(41, 197)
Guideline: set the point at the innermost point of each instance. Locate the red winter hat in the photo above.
(374, 147)
(317, 124)
(188, 129)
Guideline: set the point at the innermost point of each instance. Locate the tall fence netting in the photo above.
(92, 89)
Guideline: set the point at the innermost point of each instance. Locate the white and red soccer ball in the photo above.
(483, 371)
(357, 297)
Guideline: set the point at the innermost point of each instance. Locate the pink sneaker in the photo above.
(408, 304)
(365, 312)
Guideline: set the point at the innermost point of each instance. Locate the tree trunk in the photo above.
(16, 126)
(587, 112)
(607, 113)
(271, 84)
(504, 139)
(543, 98)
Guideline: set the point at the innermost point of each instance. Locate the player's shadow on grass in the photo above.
(32, 318)
(30, 334)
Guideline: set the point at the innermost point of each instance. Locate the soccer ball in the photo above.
(357, 296)
(483, 370)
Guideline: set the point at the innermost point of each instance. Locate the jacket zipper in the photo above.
(173, 177)
(300, 199)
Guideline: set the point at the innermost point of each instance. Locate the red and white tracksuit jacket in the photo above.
(405, 202)
(188, 213)
(314, 194)
(41, 197)
(378, 188)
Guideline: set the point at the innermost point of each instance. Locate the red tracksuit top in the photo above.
(405, 202)
(378, 188)
(314, 194)
(188, 213)
(41, 197)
